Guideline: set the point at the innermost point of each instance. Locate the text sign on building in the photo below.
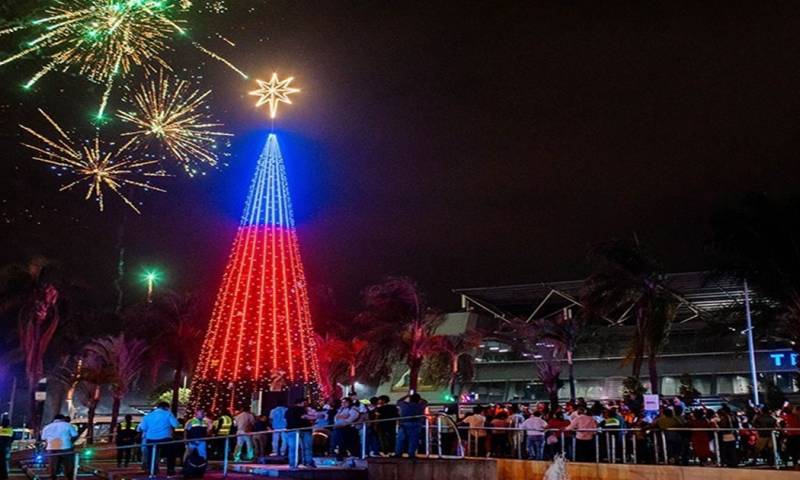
(651, 403)
(784, 359)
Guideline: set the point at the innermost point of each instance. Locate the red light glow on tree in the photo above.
(260, 327)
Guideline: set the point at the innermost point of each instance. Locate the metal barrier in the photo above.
(152, 448)
(621, 444)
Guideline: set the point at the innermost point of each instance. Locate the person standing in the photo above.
(300, 415)
(244, 422)
(386, 429)
(197, 429)
(343, 433)
(126, 438)
(157, 427)
(476, 432)
(534, 427)
(260, 439)
(59, 435)
(277, 417)
(584, 427)
(6, 439)
(409, 428)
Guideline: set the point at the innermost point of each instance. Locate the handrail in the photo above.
(426, 418)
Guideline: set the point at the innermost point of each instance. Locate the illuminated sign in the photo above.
(784, 359)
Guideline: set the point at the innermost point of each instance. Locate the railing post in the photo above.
(225, 457)
(655, 447)
(439, 435)
(664, 446)
(774, 436)
(608, 447)
(74, 469)
(563, 445)
(635, 448)
(624, 447)
(574, 440)
(363, 441)
(518, 439)
(427, 437)
(153, 451)
(596, 447)
(716, 449)
(297, 447)
(614, 448)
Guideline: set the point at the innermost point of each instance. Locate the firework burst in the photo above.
(96, 165)
(171, 113)
(104, 40)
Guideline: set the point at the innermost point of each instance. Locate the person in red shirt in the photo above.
(555, 426)
(791, 421)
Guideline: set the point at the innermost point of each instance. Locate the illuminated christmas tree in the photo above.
(260, 336)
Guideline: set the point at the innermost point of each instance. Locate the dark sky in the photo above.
(462, 144)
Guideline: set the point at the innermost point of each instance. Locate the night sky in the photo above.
(463, 144)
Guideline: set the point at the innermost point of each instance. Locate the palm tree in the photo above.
(457, 349)
(123, 360)
(341, 358)
(564, 330)
(629, 281)
(94, 374)
(174, 330)
(526, 338)
(401, 326)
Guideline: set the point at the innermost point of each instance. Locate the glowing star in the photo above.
(274, 92)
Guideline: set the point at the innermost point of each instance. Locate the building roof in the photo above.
(699, 293)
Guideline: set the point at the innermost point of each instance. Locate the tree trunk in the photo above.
(571, 376)
(114, 414)
(653, 372)
(32, 410)
(93, 402)
(352, 378)
(176, 389)
(413, 375)
(454, 378)
(553, 394)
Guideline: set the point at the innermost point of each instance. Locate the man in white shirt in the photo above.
(344, 436)
(477, 435)
(157, 427)
(59, 435)
(244, 422)
(584, 426)
(534, 427)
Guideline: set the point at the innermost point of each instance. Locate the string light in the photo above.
(261, 323)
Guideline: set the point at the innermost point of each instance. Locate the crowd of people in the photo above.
(623, 432)
(612, 431)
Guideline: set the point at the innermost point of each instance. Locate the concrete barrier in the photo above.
(431, 468)
(508, 469)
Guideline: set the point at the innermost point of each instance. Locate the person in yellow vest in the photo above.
(222, 428)
(6, 438)
(197, 429)
(125, 439)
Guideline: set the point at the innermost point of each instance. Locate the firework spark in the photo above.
(95, 164)
(170, 112)
(104, 40)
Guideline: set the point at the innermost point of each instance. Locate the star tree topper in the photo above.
(274, 92)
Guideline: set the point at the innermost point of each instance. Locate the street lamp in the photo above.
(151, 277)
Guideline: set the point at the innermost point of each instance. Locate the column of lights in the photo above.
(261, 321)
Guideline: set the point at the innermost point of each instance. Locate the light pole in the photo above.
(750, 345)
